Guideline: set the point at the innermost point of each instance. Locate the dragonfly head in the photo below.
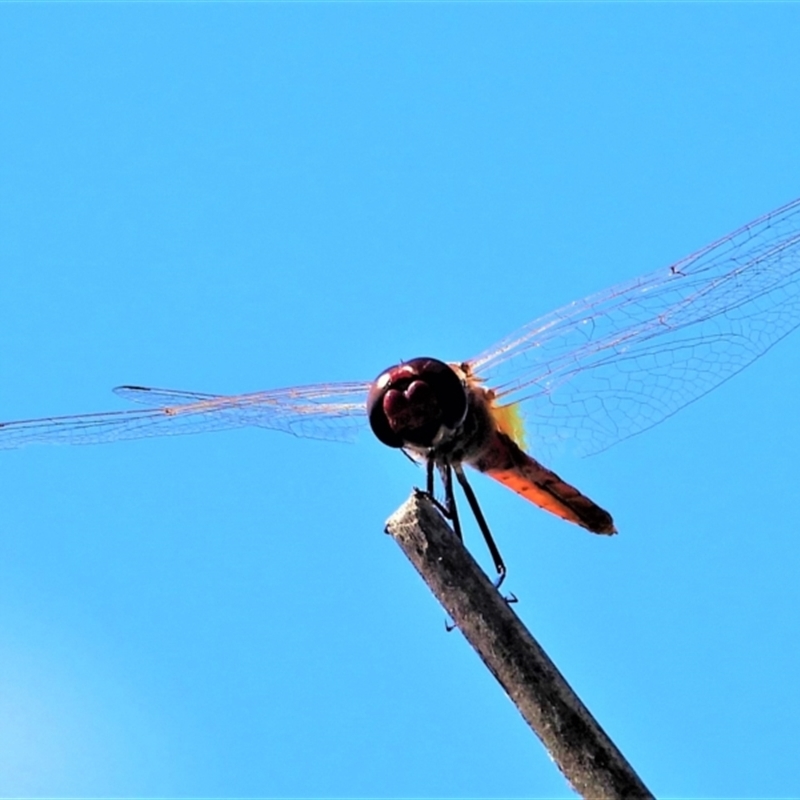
(411, 403)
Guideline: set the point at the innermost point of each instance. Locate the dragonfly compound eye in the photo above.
(410, 403)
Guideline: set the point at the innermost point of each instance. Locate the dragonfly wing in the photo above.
(326, 411)
(148, 396)
(616, 363)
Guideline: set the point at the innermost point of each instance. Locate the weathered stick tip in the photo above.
(574, 740)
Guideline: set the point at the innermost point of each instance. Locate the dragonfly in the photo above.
(589, 375)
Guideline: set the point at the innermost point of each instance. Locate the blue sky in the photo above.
(233, 197)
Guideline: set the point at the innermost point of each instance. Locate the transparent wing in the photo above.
(327, 411)
(618, 362)
(149, 396)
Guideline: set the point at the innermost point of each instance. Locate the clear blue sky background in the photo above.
(228, 198)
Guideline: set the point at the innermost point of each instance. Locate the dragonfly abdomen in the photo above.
(503, 460)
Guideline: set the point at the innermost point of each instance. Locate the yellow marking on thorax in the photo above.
(509, 421)
(508, 418)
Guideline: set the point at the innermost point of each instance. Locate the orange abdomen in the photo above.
(504, 461)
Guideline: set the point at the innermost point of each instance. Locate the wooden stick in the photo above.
(590, 761)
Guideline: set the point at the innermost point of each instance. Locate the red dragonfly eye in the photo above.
(411, 402)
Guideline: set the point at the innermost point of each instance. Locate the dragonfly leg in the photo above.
(448, 507)
(450, 498)
(499, 564)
